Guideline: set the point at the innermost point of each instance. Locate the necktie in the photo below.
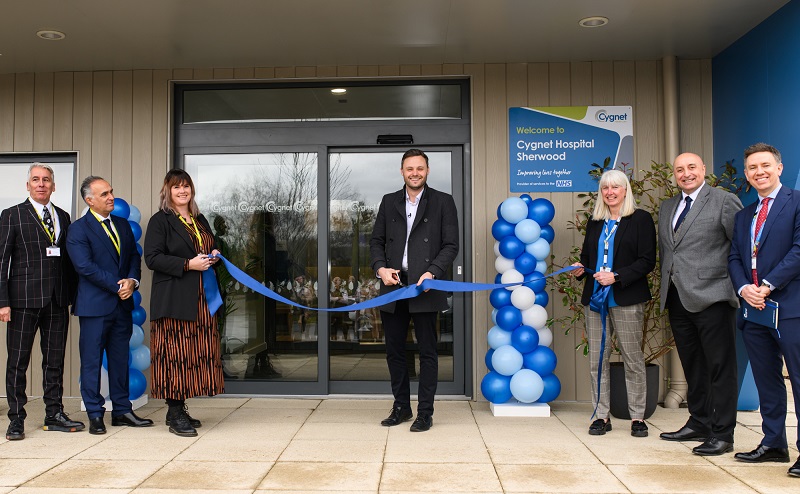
(107, 222)
(683, 213)
(48, 224)
(762, 217)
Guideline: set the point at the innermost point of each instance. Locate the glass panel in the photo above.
(358, 182)
(263, 209)
(429, 101)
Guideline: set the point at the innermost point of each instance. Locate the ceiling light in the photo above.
(593, 21)
(50, 35)
(339, 91)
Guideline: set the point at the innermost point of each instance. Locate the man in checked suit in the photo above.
(37, 283)
(415, 238)
(765, 263)
(103, 251)
(695, 230)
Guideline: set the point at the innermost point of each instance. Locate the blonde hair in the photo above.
(613, 177)
(176, 177)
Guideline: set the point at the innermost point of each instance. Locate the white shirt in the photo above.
(682, 204)
(411, 214)
(40, 211)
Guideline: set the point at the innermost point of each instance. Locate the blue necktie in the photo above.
(683, 214)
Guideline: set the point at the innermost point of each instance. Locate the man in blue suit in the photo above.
(765, 263)
(103, 251)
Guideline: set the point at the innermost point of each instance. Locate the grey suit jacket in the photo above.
(695, 257)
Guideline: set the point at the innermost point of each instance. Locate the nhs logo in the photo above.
(563, 183)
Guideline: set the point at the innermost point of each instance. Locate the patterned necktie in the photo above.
(48, 223)
(762, 217)
(107, 222)
(683, 214)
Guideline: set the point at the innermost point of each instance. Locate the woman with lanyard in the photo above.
(619, 250)
(184, 335)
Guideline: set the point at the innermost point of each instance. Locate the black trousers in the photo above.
(395, 328)
(52, 321)
(706, 343)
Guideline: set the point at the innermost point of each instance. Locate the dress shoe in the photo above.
(178, 421)
(684, 434)
(16, 430)
(96, 426)
(639, 428)
(397, 417)
(764, 453)
(794, 470)
(130, 419)
(713, 447)
(600, 427)
(193, 421)
(61, 422)
(422, 423)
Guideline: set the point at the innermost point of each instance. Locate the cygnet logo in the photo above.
(604, 116)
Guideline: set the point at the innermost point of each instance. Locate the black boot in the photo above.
(179, 422)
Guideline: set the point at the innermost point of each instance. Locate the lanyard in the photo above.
(46, 231)
(757, 239)
(114, 238)
(605, 240)
(196, 231)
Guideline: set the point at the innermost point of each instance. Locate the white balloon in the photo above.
(503, 264)
(523, 298)
(497, 248)
(535, 317)
(494, 316)
(528, 231)
(545, 337)
(512, 276)
(539, 249)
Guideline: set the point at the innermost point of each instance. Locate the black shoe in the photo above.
(794, 470)
(130, 419)
(61, 422)
(599, 427)
(96, 426)
(684, 434)
(764, 453)
(422, 424)
(639, 428)
(713, 447)
(16, 430)
(397, 417)
(179, 423)
(193, 421)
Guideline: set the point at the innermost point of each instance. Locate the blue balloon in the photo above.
(542, 360)
(541, 266)
(137, 230)
(514, 210)
(525, 263)
(498, 279)
(139, 316)
(499, 216)
(135, 215)
(137, 298)
(488, 359)
(140, 358)
(538, 282)
(506, 360)
(497, 337)
(552, 388)
(496, 388)
(548, 234)
(137, 383)
(528, 231)
(526, 386)
(502, 228)
(525, 339)
(139, 248)
(541, 211)
(500, 297)
(539, 249)
(527, 198)
(511, 247)
(509, 317)
(137, 337)
(542, 298)
(494, 316)
(121, 208)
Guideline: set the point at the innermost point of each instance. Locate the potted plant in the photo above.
(650, 189)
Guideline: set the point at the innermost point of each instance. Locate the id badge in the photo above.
(753, 262)
(53, 251)
(605, 269)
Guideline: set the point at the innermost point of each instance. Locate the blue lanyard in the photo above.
(605, 240)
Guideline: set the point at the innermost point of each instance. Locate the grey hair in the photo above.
(86, 185)
(44, 167)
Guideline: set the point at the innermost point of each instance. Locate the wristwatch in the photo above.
(616, 277)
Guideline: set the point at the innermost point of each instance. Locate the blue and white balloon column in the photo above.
(519, 359)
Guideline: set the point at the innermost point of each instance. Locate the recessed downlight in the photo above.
(50, 35)
(593, 21)
(339, 91)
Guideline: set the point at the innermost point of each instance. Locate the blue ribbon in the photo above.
(211, 289)
(393, 296)
(599, 303)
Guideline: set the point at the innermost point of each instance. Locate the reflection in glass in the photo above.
(263, 208)
(357, 350)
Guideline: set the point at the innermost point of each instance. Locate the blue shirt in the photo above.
(611, 232)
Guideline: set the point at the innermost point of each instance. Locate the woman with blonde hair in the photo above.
(620, 249)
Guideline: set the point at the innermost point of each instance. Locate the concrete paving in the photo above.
(266, 445)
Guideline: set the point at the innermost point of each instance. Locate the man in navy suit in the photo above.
(103, 251)
(765, 263)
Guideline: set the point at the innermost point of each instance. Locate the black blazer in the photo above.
(28, 278)
(167, 246)
(634, 257)
(432, 244)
